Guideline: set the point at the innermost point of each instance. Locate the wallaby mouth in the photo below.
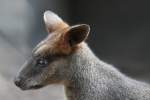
(31, 87)
(23, 86)
(36, 87)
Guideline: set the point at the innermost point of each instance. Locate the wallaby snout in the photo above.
(24, 78)
(17, 82)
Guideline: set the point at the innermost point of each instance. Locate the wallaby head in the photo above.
(49, 59)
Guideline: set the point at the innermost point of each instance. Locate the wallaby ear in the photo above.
(77, 34)
(53, 22)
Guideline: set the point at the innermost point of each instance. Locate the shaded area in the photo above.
(120, 32)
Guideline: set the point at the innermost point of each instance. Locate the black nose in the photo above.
(18, 82)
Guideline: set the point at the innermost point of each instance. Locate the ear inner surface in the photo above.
(77, 34)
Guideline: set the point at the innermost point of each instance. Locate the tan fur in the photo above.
(60, 25)
(56, 43)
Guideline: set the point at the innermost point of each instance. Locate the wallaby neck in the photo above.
(87, 74)
(82, 65)
(83, 60)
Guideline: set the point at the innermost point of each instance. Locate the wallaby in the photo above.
(63, 57)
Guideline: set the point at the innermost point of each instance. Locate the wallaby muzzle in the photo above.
(23, 79)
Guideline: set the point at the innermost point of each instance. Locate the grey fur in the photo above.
(93, 79)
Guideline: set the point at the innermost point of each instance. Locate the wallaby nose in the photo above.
(18, 82)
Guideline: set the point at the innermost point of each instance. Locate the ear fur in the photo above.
(53, 22)
(77, 34)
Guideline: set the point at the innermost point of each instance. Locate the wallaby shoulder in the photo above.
(93, 79)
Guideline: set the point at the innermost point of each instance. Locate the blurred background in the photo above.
(120, 35)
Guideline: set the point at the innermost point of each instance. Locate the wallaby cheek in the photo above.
(55, 71)
(36, 80)
(43, 76)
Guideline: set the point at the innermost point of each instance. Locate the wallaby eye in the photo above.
(42, 62)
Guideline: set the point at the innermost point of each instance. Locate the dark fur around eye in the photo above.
(42, 62)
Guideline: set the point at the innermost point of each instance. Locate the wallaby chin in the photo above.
(63, 57)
